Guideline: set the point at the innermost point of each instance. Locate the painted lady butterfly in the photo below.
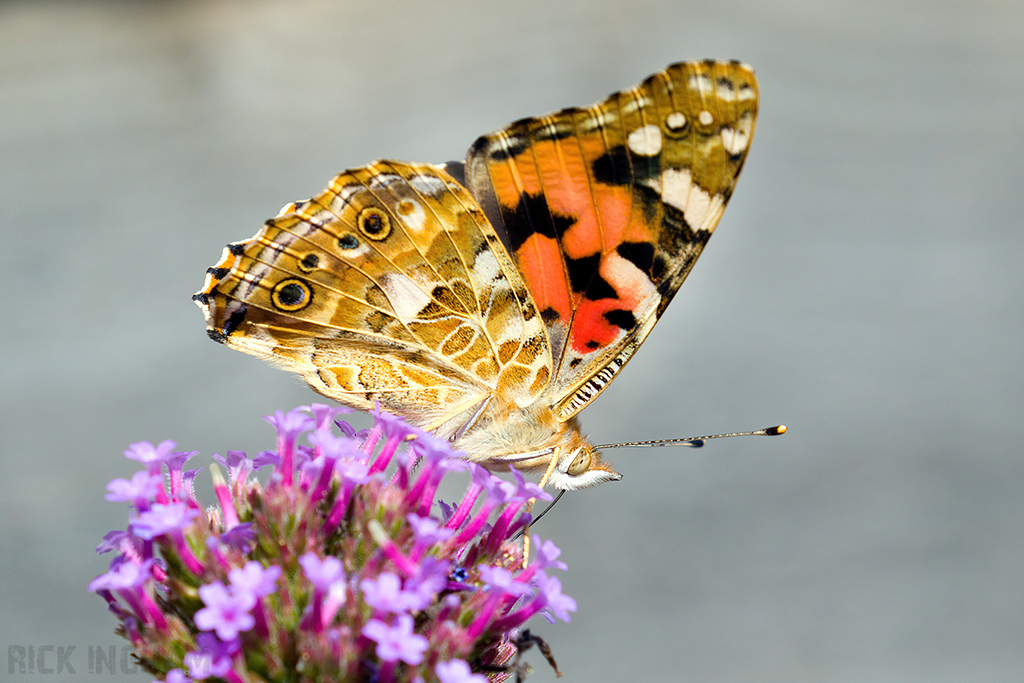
(490, 301)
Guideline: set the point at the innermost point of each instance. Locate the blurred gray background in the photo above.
(864, 287)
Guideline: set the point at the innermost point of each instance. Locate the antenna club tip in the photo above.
(775, 431)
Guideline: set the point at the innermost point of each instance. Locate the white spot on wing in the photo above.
(405, 296)
(726, 93)
(735, 141)
(697, 205)
(429, 185)
(343, 194)
(705, 118)
(412, 215)
(485, 267)
(594, 121)
(382, 180)
(635, 103)
(653, 183)
(626, 277)
(309, 225)
(700, 83)
(645, 141)
(358, 252)
(676, 120)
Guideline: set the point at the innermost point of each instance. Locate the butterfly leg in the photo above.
(555, 456)
(526, 640)
(523, 642)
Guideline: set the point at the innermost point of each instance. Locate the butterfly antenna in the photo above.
(543, 512)
(692, 441)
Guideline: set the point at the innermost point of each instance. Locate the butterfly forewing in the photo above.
(606, 209)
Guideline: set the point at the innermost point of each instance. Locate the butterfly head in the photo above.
(580, 467)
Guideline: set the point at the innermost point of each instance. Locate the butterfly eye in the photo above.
(374, 223)
(348, 241)
(580, 464)
(291, 295)
(309, 263)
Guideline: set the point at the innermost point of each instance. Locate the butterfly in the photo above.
(489, 301)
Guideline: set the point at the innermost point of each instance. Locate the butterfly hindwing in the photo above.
(606, 209)
(390, 287)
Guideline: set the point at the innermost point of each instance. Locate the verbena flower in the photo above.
(339, 568)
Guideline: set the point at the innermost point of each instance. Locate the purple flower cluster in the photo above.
(337, 568)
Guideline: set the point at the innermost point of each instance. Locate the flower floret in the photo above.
(339, 563)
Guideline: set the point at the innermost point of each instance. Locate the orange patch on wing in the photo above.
(603, 229)
(600, 211)
(641, 227)
(590, 330)
(540, 261)
(510, 178)
(560, 170)
(563, 174)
